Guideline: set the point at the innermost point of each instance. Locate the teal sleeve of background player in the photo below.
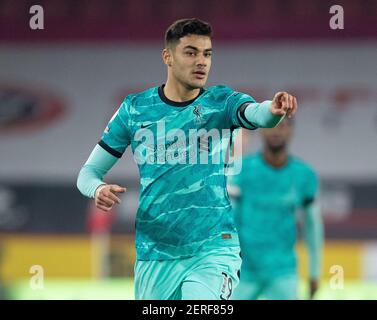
(313, 235)
(260, 116)
(91, 174)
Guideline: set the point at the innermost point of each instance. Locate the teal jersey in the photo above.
(266, 213)
(183, 202)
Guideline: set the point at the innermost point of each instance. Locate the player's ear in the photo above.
(166, 56)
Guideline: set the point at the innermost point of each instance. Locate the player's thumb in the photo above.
(117, 188)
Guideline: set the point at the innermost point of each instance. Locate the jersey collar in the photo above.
(175, 103)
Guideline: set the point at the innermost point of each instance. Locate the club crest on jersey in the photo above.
(198, 114)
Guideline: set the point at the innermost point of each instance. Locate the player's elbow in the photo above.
(83, 182)
(80, 181)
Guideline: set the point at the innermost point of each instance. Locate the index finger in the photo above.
(118, 189)
(113, 197)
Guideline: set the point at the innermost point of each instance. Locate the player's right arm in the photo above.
(106, 153)
(90, 180)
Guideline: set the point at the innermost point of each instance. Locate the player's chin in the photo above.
(198, 83)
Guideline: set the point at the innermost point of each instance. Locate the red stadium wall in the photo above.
(134, 20)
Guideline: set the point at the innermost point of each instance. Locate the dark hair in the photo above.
(183, 27)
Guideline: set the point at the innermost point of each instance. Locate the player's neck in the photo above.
(276, 159)
(175, 91)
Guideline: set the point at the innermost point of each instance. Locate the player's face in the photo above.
(277, 138)
(191, 60)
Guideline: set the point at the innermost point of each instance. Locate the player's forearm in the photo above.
(313, 234)
(259, 115)
(92, 173)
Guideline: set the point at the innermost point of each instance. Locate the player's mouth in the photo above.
(199, 74)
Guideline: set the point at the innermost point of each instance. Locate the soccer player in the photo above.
(272, 186)
(187, 245)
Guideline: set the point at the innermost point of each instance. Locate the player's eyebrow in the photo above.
(196, 49)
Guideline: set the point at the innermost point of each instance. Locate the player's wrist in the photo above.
(98, 189)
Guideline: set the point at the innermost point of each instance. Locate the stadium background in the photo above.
(59, 87)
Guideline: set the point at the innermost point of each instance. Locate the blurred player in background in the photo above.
(272, 186)
(186, 242)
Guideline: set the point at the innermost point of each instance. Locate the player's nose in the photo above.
(201, 61)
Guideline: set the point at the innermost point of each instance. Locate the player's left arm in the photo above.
(313, 233)
(267, 114)
(247, 113)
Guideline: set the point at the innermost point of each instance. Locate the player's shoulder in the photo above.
(143, 97)
(250, 165)
(302, 166)
(252, 159)
(220, 88)
(219, 92)
(222, 93)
